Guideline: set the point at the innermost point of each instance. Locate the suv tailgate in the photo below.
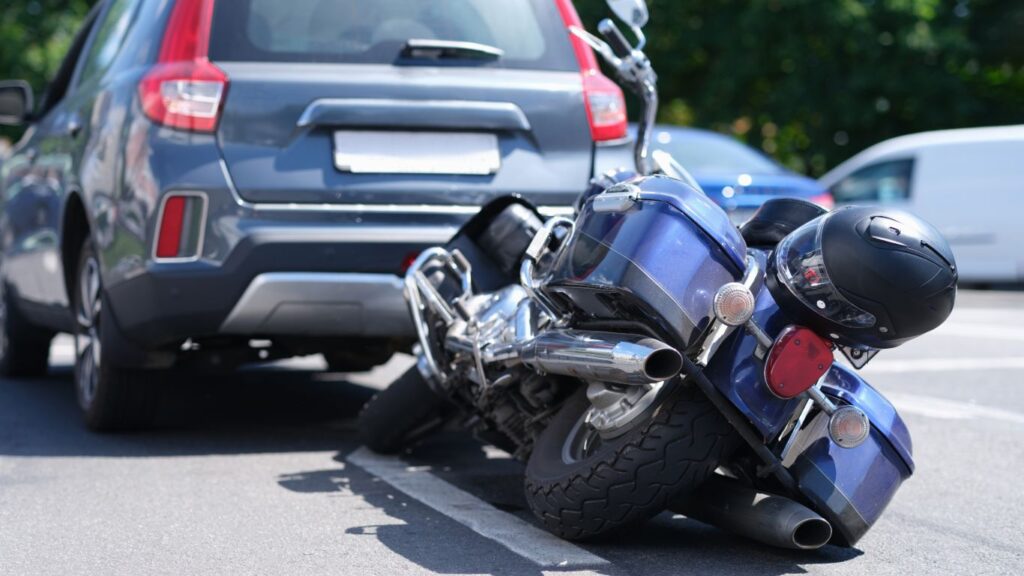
(289, 97)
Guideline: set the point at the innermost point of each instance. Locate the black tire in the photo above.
(402, 414)
(111, 397)
(677, 445)
(359, 356)
(24, 348)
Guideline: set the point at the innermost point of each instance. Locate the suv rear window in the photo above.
(530, 32)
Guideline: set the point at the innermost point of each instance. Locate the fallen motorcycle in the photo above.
(648, 355)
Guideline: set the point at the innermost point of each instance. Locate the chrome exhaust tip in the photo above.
(602, 356)
(662, 363)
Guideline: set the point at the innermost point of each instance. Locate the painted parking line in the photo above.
(932, 407)
(515, 534)
(911, 366)
(978, 330)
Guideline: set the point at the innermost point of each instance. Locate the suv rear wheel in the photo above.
(111, 397)
(24, 348)
(359, 355)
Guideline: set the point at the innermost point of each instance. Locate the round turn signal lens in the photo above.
(849, 426)
(734, 304)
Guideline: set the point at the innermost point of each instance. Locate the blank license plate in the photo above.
(364, 152)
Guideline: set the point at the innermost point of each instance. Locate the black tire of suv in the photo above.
(359, 357)
(24, 348)
(402, 414)
(120, 399)
(631, 478)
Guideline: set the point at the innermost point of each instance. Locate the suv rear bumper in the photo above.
(321, 304)
(310, 280)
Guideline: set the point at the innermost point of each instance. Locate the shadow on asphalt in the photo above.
(250, 411)
(422, 536)
(267, 410)
(665, 545)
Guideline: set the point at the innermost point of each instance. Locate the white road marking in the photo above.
(943, 365)
(977, 312)
(976, 330)
(950, 409)
(518, 536)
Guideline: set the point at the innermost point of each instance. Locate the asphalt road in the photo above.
(258, 473)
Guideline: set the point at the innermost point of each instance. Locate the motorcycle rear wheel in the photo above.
(672, 449)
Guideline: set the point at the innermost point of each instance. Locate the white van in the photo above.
(969, 183)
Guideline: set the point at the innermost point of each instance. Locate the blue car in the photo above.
(734, 175)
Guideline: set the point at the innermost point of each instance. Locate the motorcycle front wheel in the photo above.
(581, 485)
(402, 414)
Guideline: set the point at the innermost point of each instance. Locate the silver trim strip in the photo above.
(441, 209)
(358, 233)
(321, 304)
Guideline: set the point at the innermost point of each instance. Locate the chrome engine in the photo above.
(508, 358)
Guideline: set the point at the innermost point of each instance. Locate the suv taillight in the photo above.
(605, 104)
(184, 89)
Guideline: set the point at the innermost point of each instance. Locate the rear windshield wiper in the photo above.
(422, 48)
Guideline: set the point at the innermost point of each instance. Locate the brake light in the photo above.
(184, 89)
(797, 360)
(408, 260)
(603, 99)
(824, 200)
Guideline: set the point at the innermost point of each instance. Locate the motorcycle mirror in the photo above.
(633, 12)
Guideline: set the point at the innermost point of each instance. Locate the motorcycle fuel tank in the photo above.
(648, 250)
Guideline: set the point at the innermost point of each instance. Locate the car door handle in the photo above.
(74, 127)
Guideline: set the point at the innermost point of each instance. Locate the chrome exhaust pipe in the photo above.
(602, 356)
(767, 518)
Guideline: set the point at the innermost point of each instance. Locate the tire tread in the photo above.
(676, 451)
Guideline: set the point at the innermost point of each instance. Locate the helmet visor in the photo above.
(802, 269)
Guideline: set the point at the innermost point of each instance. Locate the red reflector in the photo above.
(169, 236)
(797, 361)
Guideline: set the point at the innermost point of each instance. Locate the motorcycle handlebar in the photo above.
(616, 41)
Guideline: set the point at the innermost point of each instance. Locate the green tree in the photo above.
(34, 35)
(808, 81)
(813, 82)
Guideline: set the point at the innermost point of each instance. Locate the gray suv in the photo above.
(228, 180)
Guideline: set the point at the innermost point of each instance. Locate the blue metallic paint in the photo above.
(850, 486)
(843, 383)
(696, 206)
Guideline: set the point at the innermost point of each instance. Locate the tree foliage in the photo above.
(808, 81)
(34, 35)
(814, 81)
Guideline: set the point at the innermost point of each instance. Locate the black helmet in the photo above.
(865, 277)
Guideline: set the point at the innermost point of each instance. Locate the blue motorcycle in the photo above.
(648, 355)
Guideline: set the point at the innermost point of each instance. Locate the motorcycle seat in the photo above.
(776, 219)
